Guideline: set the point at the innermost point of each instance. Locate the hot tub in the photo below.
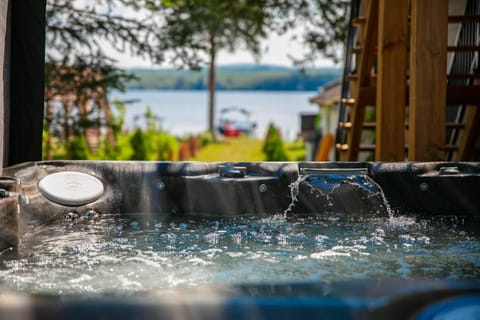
(181, 240)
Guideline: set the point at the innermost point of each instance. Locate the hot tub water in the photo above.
(113, 253)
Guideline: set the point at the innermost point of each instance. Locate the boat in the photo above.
(235, 121)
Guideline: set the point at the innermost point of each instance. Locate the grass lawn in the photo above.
(244, 149)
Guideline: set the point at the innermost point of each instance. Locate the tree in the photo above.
(325, 24)
(78, 74)
(196, 30)
(78, 30)
(139, 145)
(273, 147)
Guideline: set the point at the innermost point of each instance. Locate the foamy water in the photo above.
(125, 254)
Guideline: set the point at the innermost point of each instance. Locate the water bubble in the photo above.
(134, 224)
(90, 214)
(71, 217)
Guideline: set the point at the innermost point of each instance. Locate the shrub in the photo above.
(139, 145)
(273, 148)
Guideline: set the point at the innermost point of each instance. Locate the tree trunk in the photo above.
(211, 87)
(104, 106)
(48, 119)
(67, 108)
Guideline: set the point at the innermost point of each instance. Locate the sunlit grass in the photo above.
(244, 149)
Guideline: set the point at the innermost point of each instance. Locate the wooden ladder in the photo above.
(404, 84)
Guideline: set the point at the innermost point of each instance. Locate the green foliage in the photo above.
(77, 149)
(273, 148)
(206, 138)
(193, 28)
(159, 145)
(138, 141)
(143, 144)
(77, 30)
(166, 146)
(325, 25)
(115, 150)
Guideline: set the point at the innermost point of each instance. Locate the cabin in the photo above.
(327, 100)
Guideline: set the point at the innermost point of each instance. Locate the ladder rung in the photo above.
(355, 50)
(348, 125)
(367, 147)
(459, 19)
(349, 101)
(354, 77)
(358, 21)
(345, 125)
(455, 125)
(464, 76)
(451, 147)
(373, 125)
(363, 147)
(341, 147)
(371, 147)
(351, 77)
(449, 125)
(463, 48)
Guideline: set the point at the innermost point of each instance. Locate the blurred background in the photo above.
(247, 80)
(192, 79)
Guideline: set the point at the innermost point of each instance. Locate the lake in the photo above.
(185, 112)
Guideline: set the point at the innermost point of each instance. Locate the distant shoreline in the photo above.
(220, 89)
(235, 77)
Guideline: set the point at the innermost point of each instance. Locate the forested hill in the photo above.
(235, 77)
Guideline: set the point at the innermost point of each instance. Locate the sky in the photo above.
(276, 52)
(276, 49)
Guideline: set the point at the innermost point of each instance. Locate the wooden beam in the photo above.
(463, 19)
(391, 80)
(463, 95)
(428, 80)
(364, 68)
(373, 125)
(456, 95)
(463, 48)
(358, 21)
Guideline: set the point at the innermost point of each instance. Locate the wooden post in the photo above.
(391, 80)
(428, 80)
